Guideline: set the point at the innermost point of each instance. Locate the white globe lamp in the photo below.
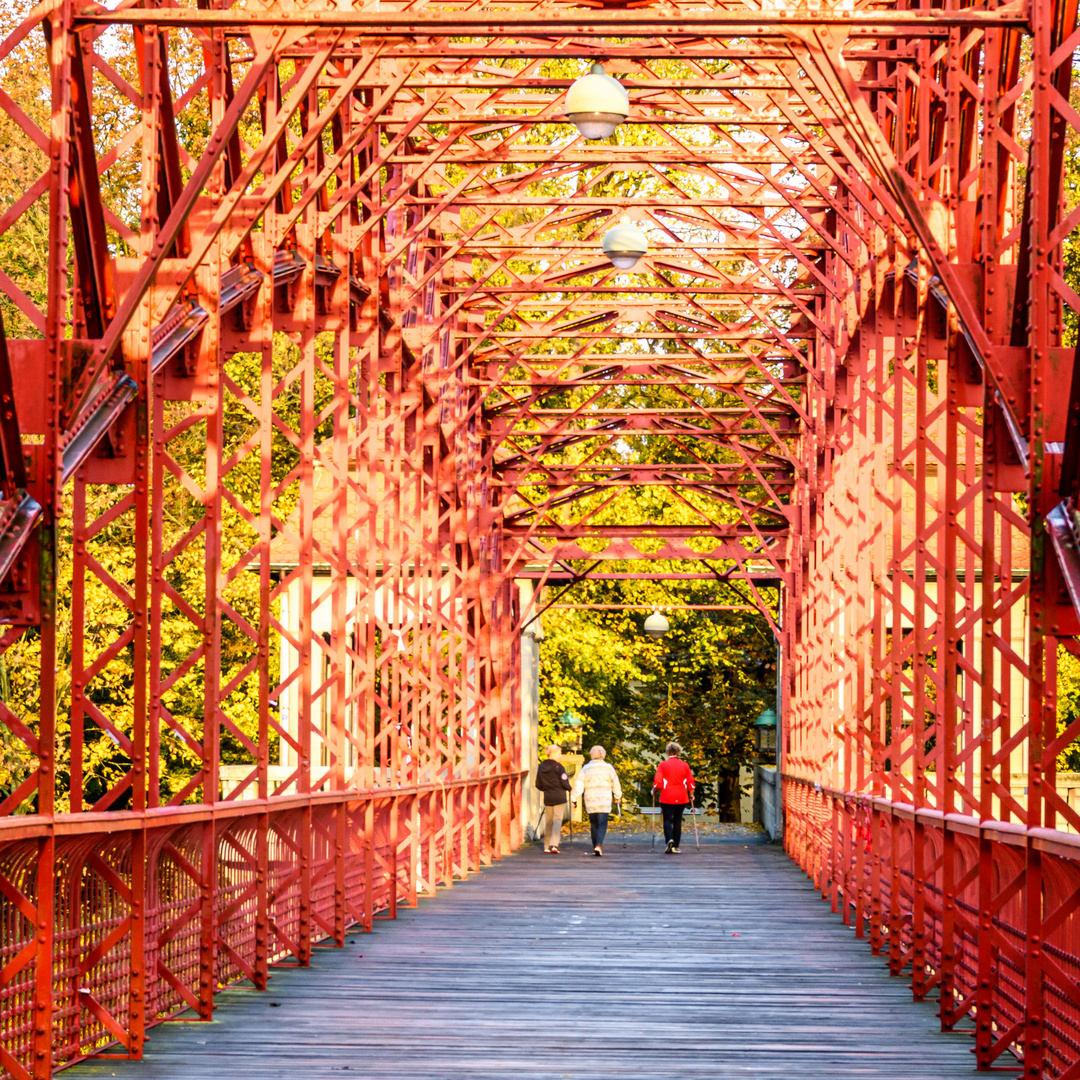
(624, 244)
(596, 104)
(656, 626)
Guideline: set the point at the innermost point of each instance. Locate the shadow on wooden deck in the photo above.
(722, 963)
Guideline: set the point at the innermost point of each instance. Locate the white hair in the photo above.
(597, 752)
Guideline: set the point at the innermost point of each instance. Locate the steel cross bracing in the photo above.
(312, 351)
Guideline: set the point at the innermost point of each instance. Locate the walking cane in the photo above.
(536, 828)
(570, 801)
(652, 822)
(693, 814)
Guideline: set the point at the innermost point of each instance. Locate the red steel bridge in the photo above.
(312, 357)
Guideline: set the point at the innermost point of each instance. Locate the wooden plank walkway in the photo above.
(722, 963)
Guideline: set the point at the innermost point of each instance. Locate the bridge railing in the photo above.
(154, 913)
(984, 916)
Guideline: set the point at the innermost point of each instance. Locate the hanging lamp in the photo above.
(624, 244)
(596, 104)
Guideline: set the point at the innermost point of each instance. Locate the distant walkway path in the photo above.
(721, 963)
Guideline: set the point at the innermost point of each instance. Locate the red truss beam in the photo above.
(280, 437)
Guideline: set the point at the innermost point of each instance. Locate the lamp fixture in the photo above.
(596, 104)
(624, 244)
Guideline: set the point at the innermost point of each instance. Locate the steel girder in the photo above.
(323, 351)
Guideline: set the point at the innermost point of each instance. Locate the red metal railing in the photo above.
(154, 913)
(982, 915)
(333, 342)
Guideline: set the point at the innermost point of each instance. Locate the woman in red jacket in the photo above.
(675, 782)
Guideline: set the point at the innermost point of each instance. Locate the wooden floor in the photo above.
(722, 963)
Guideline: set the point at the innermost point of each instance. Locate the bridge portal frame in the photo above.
(934, 338)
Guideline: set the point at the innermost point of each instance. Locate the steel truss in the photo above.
(324, 355)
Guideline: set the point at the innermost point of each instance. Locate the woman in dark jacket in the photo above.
(552, 780)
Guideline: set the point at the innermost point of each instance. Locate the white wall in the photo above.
(532, 801)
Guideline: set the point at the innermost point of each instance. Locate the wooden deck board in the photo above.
(627, 966)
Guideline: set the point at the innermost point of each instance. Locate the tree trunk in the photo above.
(728, 798)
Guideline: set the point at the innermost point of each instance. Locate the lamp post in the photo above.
(624, 244)
(765, 737)
(596, 104)
(656, 626)
(570, 720)
(572, 762)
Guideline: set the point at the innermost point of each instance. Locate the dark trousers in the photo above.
(672, 822)
(598, 828)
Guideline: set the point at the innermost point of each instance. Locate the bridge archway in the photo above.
(321, 350)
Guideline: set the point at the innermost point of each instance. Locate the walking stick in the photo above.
(536, 827)
(571, 821)
(652, 822)
(697, 839)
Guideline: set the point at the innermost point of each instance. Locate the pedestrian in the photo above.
(599, 783)
(675, 782)
(552, 780)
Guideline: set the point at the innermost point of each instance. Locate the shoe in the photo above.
(675, 851)
(670, 847)
(597, 852)
(554, 851)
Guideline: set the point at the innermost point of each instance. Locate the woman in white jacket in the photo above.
(599, 783)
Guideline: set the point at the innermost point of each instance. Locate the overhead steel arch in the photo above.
(312, 352)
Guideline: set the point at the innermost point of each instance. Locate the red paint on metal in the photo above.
(322, 400)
